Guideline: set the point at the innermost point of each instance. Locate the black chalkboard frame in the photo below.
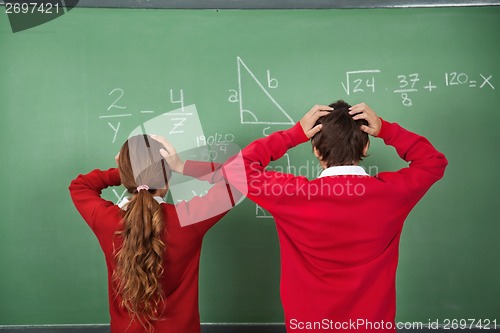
(278, 4)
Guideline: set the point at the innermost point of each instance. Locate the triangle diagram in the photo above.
(257, 105)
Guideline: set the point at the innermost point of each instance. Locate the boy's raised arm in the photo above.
(427, 164)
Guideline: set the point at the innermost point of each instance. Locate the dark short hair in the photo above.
(341, 140)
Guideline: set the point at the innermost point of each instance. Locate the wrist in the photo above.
(180, 167)
(385, 129)
(298, 134)
(379, 127)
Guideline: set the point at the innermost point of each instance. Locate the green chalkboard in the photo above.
(72, 90)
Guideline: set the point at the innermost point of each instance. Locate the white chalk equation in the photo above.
(406, 84)
(254, 91)
(217, 143)
(116, 111)
(359, 81)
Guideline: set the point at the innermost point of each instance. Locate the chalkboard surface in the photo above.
(72, 90)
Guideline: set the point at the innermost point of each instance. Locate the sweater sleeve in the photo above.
(205, 211)
(85, 191)
(427, 164)
(242, 174)
(206, 171)
(266, 187)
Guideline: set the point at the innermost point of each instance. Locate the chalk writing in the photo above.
(408, 84)
(248, 116)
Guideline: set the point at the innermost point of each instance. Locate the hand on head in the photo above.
(170, 154)
(358, 111)
(363, 111)
(309, 119)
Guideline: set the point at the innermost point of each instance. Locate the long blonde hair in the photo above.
(139, 260)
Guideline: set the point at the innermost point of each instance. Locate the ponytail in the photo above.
(139, 262)
(139, 259)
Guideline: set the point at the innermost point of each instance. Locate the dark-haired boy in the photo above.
(339, 234)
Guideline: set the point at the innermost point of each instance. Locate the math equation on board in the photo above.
(183, 125)
(406, 85)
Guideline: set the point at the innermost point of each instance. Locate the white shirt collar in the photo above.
(126, 200)
(343, 170)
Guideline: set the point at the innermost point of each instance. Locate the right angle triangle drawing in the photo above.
(257, 105)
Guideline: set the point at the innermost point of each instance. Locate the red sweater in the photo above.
(339, 235)
(181, 264)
